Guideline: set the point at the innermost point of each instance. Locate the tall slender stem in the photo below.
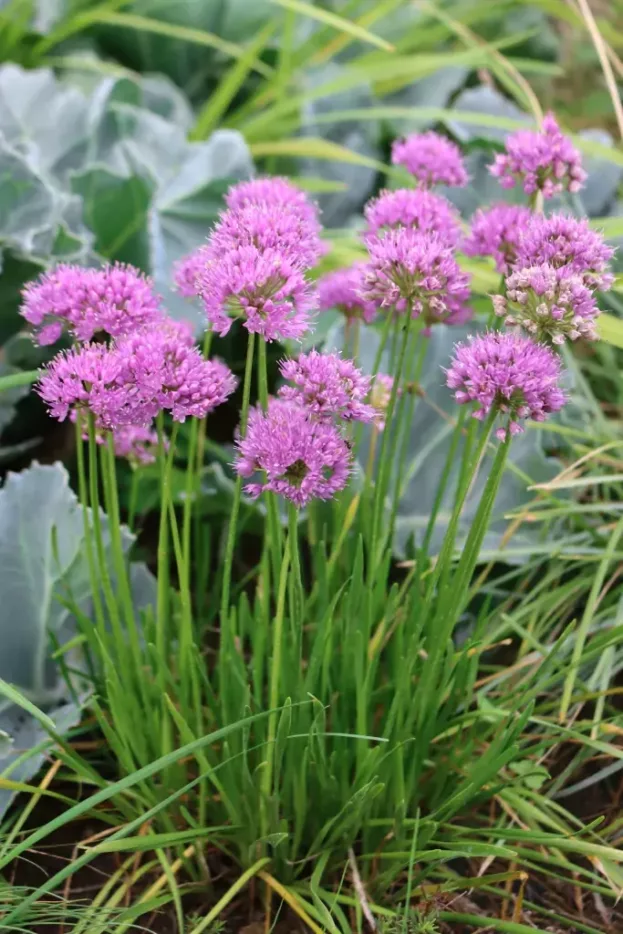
(88, 540)
(196, 446)
(235, 507)
(297, 582)
(275, 538)
(162, 609)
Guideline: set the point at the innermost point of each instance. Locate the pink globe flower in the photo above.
(496, 232)
(544, 160)
(414, 271)
(566, 242)
(112, 301)
(508, 374)
(327, 386)
(297, 457)
(550, 303)
(341, 289)
(431, 158)
(417, 208)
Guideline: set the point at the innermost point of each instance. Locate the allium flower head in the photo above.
(543, 161)
(566, 241)
(186, 272)
(162, 371)
(414, 207)
(269, 227)
(327, 386)
(262, 287)
(414, 271)
(509, 374)
(550, 303)
(114, 300)
(431, 158)
(299, 457)
(86, 377)
(341, 289)
(135, 443)
(496, 232)
(276, 193)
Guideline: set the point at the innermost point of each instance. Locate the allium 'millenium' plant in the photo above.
(565, 243)
(544, 161)
(348, 663)
(432, 159)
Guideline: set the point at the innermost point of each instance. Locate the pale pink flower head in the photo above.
(432, 159)
(136, 443)
(568, 242)
(550, 303)
(380, 396)
(292, 454)
(111, 301)
(414, 272)
(544, 160)
(187, 270)
(327, 386)
(496, 232)
(341, 289)
(509, 374)
(414, 207)
(264, 288)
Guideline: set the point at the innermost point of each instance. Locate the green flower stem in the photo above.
(100, 551)
(445, 477)
(297, 581)
(384, 460)
(133, 504)
(88, 540)
(194, 467)
(162, 607)
(235, 508)
(273, 522)
(274, 686)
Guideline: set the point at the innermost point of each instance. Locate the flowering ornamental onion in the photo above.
(136, 443)
(551, 304)
(566, 242)
(509, 374)
(543, 161)
(264, 288)
(414, 271)
(114, 300)
(496, 232)
(128, 383)
(276, 192)
(342, 290)
(268, 227)
(187, 270)
(431, 158)
(300, 458)
(327, 386)
(414, 207)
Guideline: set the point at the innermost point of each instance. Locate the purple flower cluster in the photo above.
(136, 444)
(341, 289)
(298, 445)
(549, 303)
(544, 161)
(497, 232)
(416, 273)
(127, 384)
(301, 458)
(566, 243)
(509, 374)
(328, 387)
(111, 301)
(432, 159)
(253, 266)
(417, 208)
